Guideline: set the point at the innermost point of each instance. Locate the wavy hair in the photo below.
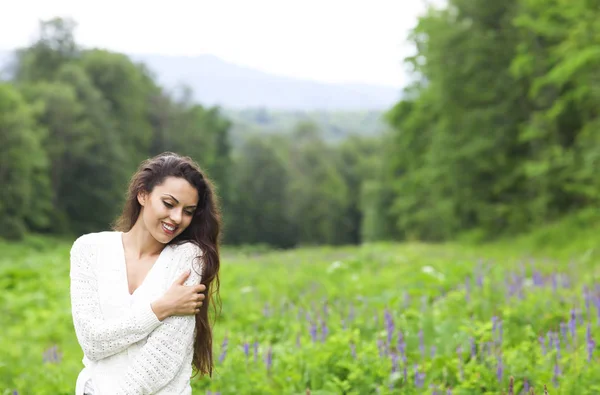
(204, 231)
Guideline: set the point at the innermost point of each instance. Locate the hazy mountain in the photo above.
(215, 81)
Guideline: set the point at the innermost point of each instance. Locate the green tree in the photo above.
(23, 166)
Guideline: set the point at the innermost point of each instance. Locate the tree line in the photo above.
(500, 131)
(496, 134)
(75, 124)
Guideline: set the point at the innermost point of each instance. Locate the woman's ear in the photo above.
(141, 197)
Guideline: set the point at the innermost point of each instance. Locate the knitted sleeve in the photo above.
(100, 338)
(164, 353)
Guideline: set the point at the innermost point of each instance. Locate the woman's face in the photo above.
(169, 209)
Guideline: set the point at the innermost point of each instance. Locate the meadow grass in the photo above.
(374, 319)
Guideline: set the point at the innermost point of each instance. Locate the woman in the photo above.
(137, 292)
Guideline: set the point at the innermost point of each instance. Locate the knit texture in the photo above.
(127, 350)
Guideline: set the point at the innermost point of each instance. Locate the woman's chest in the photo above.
(120, 288)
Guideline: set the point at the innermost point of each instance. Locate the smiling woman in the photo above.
(140, 293)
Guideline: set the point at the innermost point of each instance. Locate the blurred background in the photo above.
(358, 127)
(283, 104)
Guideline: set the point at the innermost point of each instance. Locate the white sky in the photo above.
(326, 40)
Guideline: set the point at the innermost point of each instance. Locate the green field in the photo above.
(345, 320)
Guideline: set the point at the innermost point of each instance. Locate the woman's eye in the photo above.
(190, 212)
(168, 205)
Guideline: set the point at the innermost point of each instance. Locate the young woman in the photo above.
(138, 291)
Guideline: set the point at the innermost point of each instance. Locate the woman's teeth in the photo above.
(168, 228)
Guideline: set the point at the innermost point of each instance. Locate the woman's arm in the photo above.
(100, 338)
(163, 355)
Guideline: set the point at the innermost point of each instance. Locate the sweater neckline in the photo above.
(123, 265)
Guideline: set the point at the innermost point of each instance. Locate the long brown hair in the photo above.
(204, 231)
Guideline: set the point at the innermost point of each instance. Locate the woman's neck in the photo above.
(140, 243)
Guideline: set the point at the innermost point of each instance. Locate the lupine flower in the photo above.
(324, 330)
(556, 374)
(590, 343)
(269, 358)
(573, 324)
(389, 326)
(394, 362)
(52, 355)
(223, 350)
(563, 331)
(542, 344)
(499, 369)
(313, 331)
(419, 377)
(246, 349)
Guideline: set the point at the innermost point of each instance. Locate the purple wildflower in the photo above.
(542, 344)
(269, 358)
(389, 326)
(556, 374)
(324, 330)
(572, 324)
(223, 350)
(499, 369)
(313, 331)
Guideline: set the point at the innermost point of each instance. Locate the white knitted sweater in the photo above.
(126, 349)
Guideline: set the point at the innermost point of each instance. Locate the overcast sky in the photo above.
(326, 40)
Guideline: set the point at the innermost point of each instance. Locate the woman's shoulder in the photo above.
(103, 238)
(187, 248)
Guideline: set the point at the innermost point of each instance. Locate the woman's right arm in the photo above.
(100, 338)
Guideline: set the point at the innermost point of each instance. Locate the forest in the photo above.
(495, 135)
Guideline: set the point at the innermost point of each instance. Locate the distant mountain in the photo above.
(215, 81)
(334, 126)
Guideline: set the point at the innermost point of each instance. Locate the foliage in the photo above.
(380, 318)
(498, 132)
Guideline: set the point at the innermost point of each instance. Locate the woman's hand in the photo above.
(180, 299)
